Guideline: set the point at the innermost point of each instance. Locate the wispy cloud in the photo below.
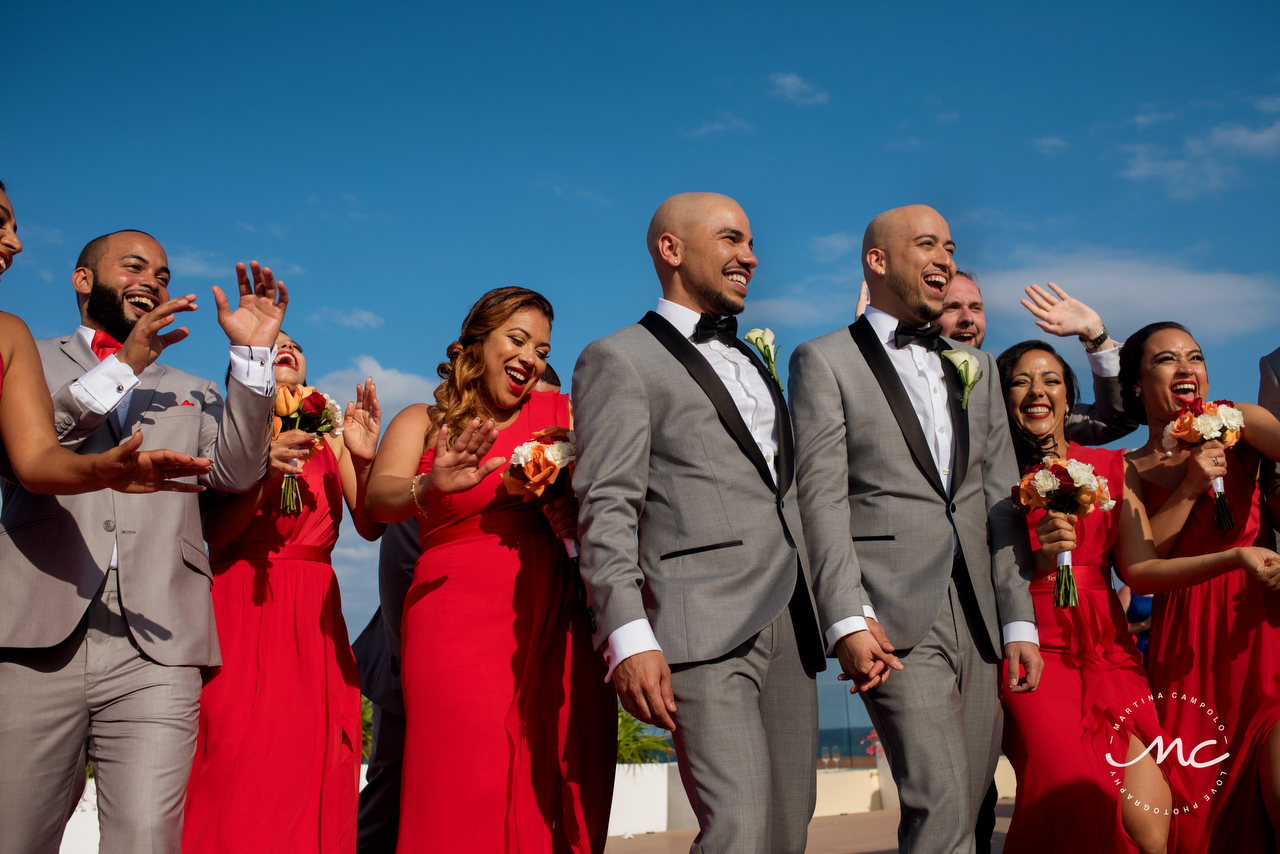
(352, 318)
(1242, 140)
(1146, 120)
(792, 87)
(1050, 145)
(1270, 104)
(727, 121)
(948, 118)
(40, 234)
(832, 246)
(200, 264)
(1205, 163)
(826, 299)
(396, 389)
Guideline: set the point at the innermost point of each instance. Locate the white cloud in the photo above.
(202, 265)
(825, 300)
(355, 562)
(1146, 120)
(1270, 104)
(1242, 140)
(1206, 162)
(948, 118)
(903, 144)
(727, 121)
(792, 87)
(39, 234)
(396, 389)
(832, 246)
(1130, 292)
(1050, 145)
(352, 318)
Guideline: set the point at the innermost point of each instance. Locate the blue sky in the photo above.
(392, 164)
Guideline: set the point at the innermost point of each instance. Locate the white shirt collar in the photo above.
(86, 333)
(685, 320)
(884, 324)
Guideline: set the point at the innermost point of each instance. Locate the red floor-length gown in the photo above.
(279, 744)
(511, 729)
(1092, 696)
(1214, 662)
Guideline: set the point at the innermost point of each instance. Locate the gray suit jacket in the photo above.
(55, 549)
(878, 523)
(680, 522)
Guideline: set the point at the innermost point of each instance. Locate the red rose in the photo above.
(314, 404)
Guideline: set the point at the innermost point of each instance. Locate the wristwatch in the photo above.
(1094, 343)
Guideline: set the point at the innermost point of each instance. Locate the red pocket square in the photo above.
(186, 403)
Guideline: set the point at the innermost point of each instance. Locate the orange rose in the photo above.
(287, 401)
(1184, 428)
(1230, 437)
(276, 424)
(1210, 408)
(540, 471)
(553, 434)
(1028, 495)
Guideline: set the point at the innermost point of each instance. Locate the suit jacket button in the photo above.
(108, 526)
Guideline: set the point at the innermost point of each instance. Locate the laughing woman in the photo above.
(1092, 700)
(278, 751)
(510, 728)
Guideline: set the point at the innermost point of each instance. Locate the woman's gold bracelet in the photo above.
(413, 493)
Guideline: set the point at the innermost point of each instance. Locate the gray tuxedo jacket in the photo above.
(879, 525)
(681, 522)
(55, 550)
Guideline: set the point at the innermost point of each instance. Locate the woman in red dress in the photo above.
(1093, 701)
(1214, 652)
(511, 729)
(277, 761)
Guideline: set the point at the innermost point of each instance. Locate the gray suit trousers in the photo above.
(95, 694)
(940, 720)
(747, 742)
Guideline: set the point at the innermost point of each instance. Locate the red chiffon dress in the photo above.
(1092, 696)
(279, 745)
(1214, 662)
(511, 730)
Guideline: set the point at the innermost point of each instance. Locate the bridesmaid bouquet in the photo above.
(536, 466)
(302, 408)
(1200, 422)
(1068, 486)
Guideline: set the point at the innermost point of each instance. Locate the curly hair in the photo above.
(461, 397)
(1029, 449)
(1131, 366)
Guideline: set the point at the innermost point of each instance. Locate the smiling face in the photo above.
(908, 264)
(701, 247)
(1037, 396)
(515, 355)
(291, 365)
(10, 245)
(128, 281)
(1171, 375)
(962, 315)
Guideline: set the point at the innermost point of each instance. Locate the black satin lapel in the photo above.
(899, 404)
(786, 449)
(960, 423)
(711, 385)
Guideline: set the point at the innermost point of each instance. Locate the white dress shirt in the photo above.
(926, 385)
(108, 387)
(750, 393)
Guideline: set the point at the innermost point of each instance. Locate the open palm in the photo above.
(362, 422)
(263, 300)
(458, 465)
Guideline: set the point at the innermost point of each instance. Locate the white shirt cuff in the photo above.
(1105, 363)
(627, 640)
(1021, 630)
(255, 367)
(101, 389)
(848, 626)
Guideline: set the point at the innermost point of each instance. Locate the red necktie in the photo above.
(104, 345)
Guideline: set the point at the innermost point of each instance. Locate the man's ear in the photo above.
(670, 249)
(877, 260)
(82, 280)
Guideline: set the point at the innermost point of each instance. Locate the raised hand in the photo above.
(126, 469)
(458, 465)
(362, 422)
(144, 344)
(263, 300)
(288, 447)
(1060, 314)
(1024, 658)
(864, 300)
(866, 658)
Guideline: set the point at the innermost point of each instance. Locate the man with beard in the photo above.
(963, 319)
(690, 530)
(904, 465)
(106, 617)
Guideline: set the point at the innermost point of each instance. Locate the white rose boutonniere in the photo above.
(968, 367)
(762, 340)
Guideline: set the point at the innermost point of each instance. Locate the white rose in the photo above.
(559, 453)
(522, 454)
(1045, 482)
(1208, 426)
(335, 415)
(1232, 418)
(1108, 505)
(1082, 474)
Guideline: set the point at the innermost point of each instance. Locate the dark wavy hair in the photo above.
(461, 396)
(1131, 366)
(1026, 446)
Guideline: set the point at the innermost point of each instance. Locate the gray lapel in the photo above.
(79, 352)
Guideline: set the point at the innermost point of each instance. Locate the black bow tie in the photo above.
(930, 338)
(709, 326)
